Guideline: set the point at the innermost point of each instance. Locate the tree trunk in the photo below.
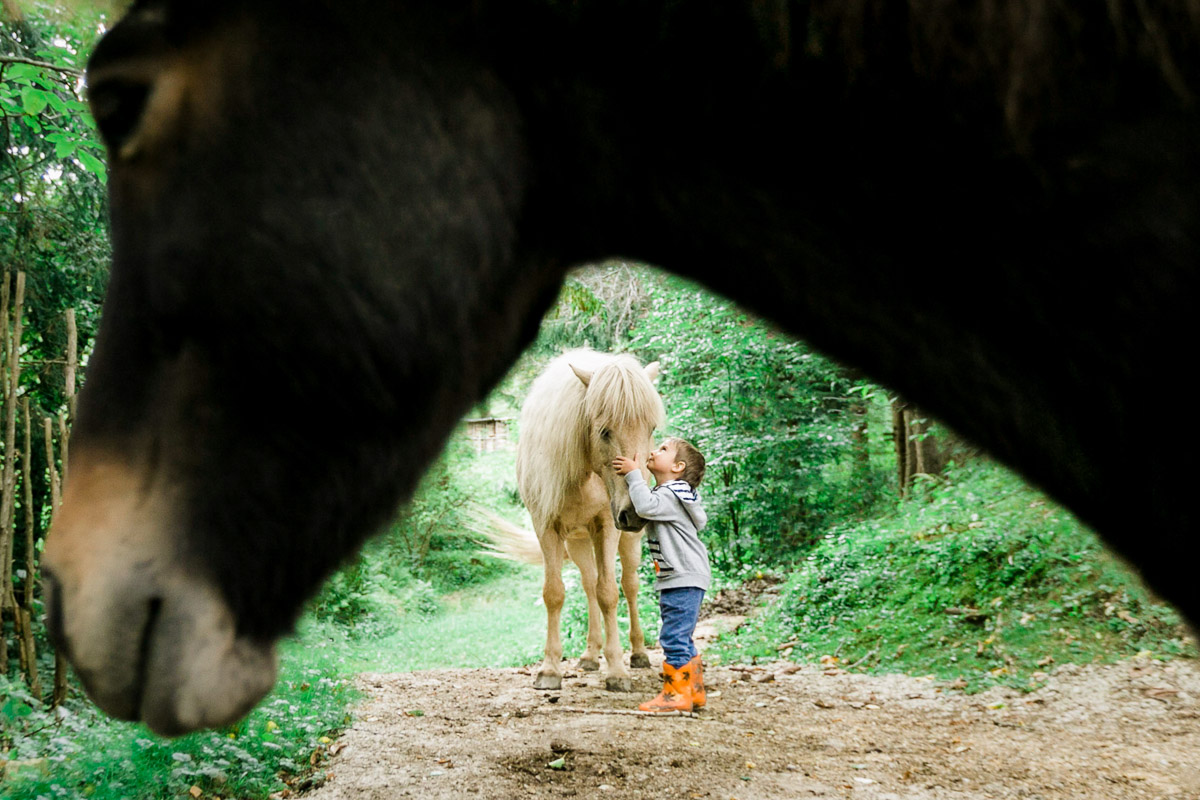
(60, 663)
(860, 440)
(900, 439)
(51, 468)
(12, 377)
(26, 612)
(918, 451)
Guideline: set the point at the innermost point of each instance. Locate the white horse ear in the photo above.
(585, 376)
(652, 371)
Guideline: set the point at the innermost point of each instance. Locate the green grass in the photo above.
(498, 624)
(980, 578)
(81, 753)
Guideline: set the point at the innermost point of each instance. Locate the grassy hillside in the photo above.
(977, 577)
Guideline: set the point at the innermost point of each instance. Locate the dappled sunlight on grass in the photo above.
(499, 624)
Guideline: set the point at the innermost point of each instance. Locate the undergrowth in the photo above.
(77, 751)
(976, 578)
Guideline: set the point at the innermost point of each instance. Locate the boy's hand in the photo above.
(624, 465)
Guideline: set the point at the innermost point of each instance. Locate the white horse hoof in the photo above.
(589, 664)
(546, 680)
(640, 660)
(614, 684)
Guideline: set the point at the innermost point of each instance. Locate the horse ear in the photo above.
(652, 371)
(584, 375)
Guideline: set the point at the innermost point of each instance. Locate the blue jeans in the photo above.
(680, 609)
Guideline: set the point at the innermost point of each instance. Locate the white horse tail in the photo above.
(503, 539)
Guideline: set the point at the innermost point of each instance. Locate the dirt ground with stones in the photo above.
(1129, 730)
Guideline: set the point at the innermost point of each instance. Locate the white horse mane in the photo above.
(555, 421)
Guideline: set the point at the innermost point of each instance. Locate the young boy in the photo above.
(675, 516)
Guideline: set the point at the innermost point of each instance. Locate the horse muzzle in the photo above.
(627, 519)
(151, 638)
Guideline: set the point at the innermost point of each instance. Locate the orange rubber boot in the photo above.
(676, 694)
(696, 675)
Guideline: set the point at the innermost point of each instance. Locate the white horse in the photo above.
(581, 412)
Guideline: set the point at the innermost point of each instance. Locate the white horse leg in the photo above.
(630, 549)
(550, 674)
(604, 543)
(582, 555)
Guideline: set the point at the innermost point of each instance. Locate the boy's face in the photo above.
(663, 462)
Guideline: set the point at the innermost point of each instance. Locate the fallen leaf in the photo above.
(957, 683)
(195, 791)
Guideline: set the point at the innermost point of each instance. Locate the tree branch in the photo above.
(78, 73)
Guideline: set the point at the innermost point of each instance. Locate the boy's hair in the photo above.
(693, 471)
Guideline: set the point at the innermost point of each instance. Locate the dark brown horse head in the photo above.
(336, 224)
(342, 275)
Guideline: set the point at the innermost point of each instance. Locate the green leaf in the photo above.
(93, 165)
(34, 101)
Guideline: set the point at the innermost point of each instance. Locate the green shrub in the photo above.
(976, 577)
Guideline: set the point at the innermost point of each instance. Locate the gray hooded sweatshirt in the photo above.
(675, 516)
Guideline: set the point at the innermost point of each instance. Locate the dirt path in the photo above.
(1130, 730)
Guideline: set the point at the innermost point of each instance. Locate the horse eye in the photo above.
(605, 434)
